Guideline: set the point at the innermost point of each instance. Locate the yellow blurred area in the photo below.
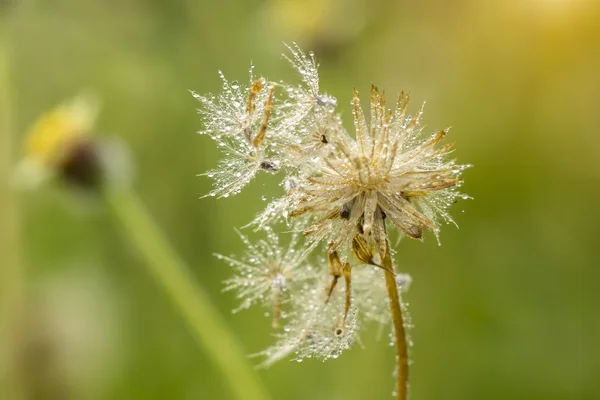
(506, 308)
(55, 131)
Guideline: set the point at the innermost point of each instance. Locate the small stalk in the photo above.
(277, 309)
(207, 326)
(399, 331)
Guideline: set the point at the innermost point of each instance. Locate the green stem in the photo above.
(205, 322)
(399, 330)
(12, 277)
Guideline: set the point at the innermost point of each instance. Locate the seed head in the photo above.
(339, 191)
(266, 273)
(388, 170)
(237, 120)
(317, 327)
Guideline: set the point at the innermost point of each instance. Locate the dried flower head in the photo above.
(318, 328)
(267, 273)
(305, 96)
(388, 171)
(340, 191)
(238, 119)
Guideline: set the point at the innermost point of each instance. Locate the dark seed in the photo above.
(383, 214)
(345, 211)
(360, 229)
(82, 166)
(269, 166)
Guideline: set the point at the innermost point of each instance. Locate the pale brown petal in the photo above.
(361, 249)
(349, 228)
(379, 232)
(426, 180)
(359, 123)
(369, 212)
(375, 110)
(405, 216)
(320, 204)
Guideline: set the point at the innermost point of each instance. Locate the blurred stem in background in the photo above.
(12, 277)
(207, 325)
(61, 148)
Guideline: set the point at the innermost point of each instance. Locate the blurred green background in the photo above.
(506, 308)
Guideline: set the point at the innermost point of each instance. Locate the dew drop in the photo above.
(235, 84)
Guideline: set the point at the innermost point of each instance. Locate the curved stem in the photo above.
(399, 331)
(208, 327)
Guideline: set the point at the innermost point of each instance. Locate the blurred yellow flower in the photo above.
(51, 141)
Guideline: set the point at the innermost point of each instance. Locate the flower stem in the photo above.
(208, 327)
(399, 331)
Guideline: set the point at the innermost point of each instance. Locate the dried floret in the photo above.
(318, 328)
(266, 272)
(238, 119)
(388, 171)
(304, 99)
